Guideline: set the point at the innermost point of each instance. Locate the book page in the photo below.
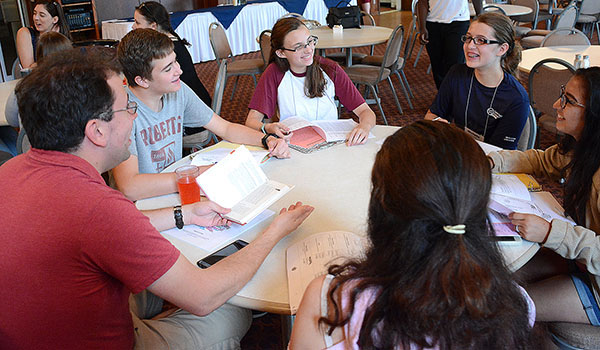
(257, 201)
(487, 148)
(232, 179)
(214, 156)
(336, 130)
(310, 258)
(510, 186)
(306, 137)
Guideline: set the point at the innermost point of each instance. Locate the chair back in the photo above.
(264, 40)
(367, 19)
(494, 8)
(394, 45)
(529, 133)
(545, 80)
(564, 37)
(218, 41)
(219, 87)
(532, 17)
(16, 68)
(590, 7)
(23, 144)
(567, 18)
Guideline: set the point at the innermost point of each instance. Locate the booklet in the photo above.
(311, 257)
(237, 182)
(309, 136)
(216, 153)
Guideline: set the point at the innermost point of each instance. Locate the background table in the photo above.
(351, 37)
(510, 10)
(336, 181)
(532, 56)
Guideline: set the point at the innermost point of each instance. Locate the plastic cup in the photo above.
(189, 191)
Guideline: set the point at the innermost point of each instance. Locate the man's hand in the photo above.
(424, 37)
(278, 147)
(531, 227)
(205, 213)
(357, 136)
(289, 219)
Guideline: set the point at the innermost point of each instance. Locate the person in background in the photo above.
(70, 268)
(298, 83)
(165, 106)
(432, 276)
(564, 275)
(441, 24)
(151, 14)
(48, 16)
(49, 43)
(483, 96)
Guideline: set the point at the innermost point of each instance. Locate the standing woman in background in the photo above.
(151, 14)
(48, 16)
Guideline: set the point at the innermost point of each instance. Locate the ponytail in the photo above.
(154, 12)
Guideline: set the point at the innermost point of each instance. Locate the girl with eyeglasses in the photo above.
(299, 83)
(48, 16)
(151, 14)
(565, 274)
(482, 96)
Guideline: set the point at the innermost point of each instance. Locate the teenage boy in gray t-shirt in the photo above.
(165, 106)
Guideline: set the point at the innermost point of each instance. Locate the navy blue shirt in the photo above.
(511, 101)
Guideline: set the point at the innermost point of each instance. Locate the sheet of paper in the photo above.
(211, 238)
(487, 148)
(215, 155)
(510, 186)
(338, 130)
(310, 258)
(306, 137)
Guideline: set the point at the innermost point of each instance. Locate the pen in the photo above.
(436, 118)
(265, 158)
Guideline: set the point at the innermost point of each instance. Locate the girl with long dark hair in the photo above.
(299, 83)
(432, 276)
(562, 289)
(48, 16)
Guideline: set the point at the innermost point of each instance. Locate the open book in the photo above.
(310, 258)
(237, 182)
(309, 136)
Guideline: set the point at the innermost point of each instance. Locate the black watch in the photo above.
(178, 216)
(264, 140)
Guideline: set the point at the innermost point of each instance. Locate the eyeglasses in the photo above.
(564, 99)
(131, 108)
(478, 40)
(311, 41)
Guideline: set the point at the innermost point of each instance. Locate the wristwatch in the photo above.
(264, 140)
(178, 216)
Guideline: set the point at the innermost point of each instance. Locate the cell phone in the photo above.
(508, 239)
(221, 253)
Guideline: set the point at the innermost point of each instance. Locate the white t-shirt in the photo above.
(447, 11)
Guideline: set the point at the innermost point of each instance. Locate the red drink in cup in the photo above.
(189, 191)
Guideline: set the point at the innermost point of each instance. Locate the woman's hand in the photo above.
(278, 129)
(531, 227)
(358, 135)
(278, 147)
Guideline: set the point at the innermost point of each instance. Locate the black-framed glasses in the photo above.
(564, 99)
(478, 40)
(311, 41)
(131, 108)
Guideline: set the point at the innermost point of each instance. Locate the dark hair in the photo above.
(59, 97)
(586, 158)
(433, 288)
(314, 84)
(504, 32)
(55, 10)
(50, 43)
(155, 12)
(138, 49)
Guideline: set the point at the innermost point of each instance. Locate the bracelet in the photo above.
(264, 140)
(262, 128)
(178, 216)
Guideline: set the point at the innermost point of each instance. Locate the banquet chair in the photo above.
(264, 41)
(200, 139)
(528, 137)
(566, 19)
(222, 50)
(545, 80)
(574, 336)
(532, 17)
(371, 75)
(565, 37)
(23, 144)
(494, 8)
(547, 11)
(357, 57)
(589, 16)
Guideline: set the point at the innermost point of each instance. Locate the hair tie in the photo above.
(455, 229)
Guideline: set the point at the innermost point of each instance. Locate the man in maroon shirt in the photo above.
(74, 249)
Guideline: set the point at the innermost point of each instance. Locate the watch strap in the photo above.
(264, 140)
(262, 128)
(178, 215)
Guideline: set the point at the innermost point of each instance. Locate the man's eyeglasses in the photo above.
(478, 40)
(311, 41)
(564, 99)
(131, 109)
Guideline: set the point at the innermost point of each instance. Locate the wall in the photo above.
(112, 9)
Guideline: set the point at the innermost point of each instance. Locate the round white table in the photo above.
(337, 182)
(351, 37)
(532, 56)
(510, 10)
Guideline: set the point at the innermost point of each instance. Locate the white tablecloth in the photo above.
(242, 32)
